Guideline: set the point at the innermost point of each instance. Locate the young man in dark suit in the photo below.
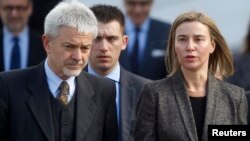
(148, 40)
(20, 46)
(56, 100)
(104, 62)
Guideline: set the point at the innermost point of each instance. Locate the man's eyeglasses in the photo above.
(17, 8)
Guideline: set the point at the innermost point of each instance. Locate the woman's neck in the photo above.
(195, 82)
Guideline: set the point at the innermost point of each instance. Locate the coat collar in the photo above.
(85, 106)
(39, 101)
(214, 96)
(128, 102)
(40, 104)
(185, 107)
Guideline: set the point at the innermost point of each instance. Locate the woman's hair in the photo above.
(221, 57)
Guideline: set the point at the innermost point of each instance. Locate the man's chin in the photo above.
(70, 72)
(15, 28)
(104, 67)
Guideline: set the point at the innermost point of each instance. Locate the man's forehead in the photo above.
(108, 30)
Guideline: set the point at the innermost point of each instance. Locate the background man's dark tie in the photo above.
(63, 93)
(135, 52)
(15, 55)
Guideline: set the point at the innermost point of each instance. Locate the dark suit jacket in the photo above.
(40, 9)
(248, 100)
(165, 112)
(25, 107)
(241, 75)
(36, 51)
(130, 88)
(152, 66)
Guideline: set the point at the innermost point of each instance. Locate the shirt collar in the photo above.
(10, 35)
(54, 81)
(129, 26)
(114, 75)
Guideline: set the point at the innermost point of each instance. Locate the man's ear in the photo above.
(125, 42)
(46, 43)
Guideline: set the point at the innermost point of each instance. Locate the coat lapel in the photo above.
(128, 103)
(85, 106)
(39, 102)
(213, 97)
(184, 105)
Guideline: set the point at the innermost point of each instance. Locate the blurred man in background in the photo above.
(147, 41)
(242, 65)
(20, 46)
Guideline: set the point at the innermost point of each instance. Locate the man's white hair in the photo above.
(72, 14)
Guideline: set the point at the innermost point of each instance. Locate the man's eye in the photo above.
(98, 39)
(68, 46)
(85, 47)
(112, 39)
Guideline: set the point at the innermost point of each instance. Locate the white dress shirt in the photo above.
(8, 46)
(54, 82)
(143, 34)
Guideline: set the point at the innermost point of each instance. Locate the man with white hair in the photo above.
(56, 100)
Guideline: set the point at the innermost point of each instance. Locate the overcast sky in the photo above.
(231, 16)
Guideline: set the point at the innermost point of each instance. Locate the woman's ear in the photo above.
(212, 48)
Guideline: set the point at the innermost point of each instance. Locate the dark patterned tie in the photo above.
(63, 93)
(134, 58)
(15, 55)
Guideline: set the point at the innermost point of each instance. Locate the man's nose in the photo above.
(77, 54)
(104, 45)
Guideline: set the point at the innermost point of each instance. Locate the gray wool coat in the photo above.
(165, 113)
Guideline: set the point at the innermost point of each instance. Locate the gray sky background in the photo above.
(231, 16)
